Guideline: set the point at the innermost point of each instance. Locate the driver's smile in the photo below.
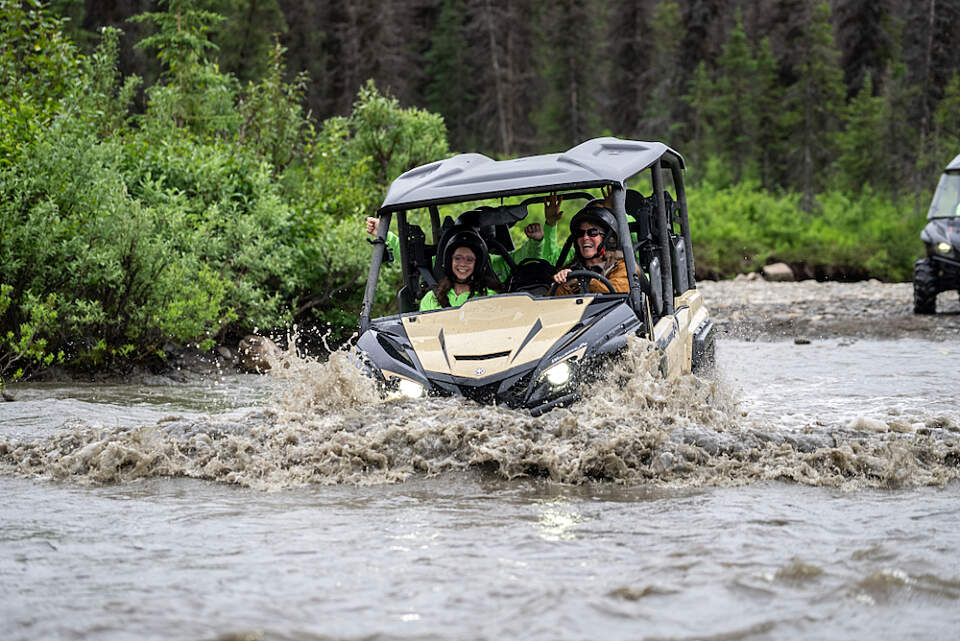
(588, 239)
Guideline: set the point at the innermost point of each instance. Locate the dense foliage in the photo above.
(200, 198)
(221, 208)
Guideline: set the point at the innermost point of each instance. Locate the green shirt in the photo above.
(430, 302)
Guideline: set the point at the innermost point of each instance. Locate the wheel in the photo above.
(924, 287)
(584, 276)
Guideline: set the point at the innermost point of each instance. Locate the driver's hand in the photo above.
(534, 231)
(372, 225)
(551, 209)
(561, 276)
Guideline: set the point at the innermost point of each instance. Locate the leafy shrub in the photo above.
(217, 211)
(741, 227)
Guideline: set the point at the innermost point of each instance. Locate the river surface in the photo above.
(802, 492)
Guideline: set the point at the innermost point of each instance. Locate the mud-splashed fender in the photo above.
(683, 337)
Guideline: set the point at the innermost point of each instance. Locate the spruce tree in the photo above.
(663, 72)
(245, 39)
(197, 96)
(627, 34)
(501, 38)
(736, 121)
(769, 107)
(449, 73)
(699, 98)
(860, 150)
(814, 104)
(307, 40)
(899, 134)
(571, 53)
(866, 34)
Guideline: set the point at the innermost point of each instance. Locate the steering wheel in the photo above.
(584, 276)
(531, 275)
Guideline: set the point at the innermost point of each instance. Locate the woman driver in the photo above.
(596, 250)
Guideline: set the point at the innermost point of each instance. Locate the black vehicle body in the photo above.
(522, 348)
(939, 270)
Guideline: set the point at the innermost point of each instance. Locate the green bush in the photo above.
(217, 211)
(741, 227)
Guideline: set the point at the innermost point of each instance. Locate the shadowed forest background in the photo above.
(185, 171)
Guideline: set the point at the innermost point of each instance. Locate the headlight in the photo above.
(410, 389)
(559, 374)
(944, 248)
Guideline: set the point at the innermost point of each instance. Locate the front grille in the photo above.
(513, 396)
(484, 394)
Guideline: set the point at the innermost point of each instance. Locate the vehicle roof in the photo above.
(597, 162)
(955, 165)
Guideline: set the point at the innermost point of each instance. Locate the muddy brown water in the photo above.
(801, 491)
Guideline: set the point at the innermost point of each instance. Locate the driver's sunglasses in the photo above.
(593, 232)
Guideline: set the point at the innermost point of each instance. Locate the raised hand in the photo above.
(551, 209)
(534, 231)
(373, 225)
(607, 192)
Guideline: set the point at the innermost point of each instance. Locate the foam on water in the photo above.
(328, 425)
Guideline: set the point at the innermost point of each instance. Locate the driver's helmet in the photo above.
(600, 216)
(462, 236)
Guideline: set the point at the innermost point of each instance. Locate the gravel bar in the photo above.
(807, 310)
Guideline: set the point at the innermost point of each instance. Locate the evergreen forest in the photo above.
(183, 172)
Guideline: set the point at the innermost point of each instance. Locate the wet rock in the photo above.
(778, 272)
(799, 340)
(806, 443)
(664, 463)
(257, 354)
(225, 353)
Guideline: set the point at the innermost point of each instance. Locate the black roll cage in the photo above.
(663, 221)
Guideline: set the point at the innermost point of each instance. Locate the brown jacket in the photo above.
(613, 269)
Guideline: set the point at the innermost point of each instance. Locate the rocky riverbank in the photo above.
(810, 310)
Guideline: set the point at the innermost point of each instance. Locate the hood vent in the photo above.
(480, 357)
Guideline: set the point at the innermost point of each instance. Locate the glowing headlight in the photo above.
(558, 374)
(410, 389)
(944, 248)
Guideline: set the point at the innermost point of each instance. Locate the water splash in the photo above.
(328, 425)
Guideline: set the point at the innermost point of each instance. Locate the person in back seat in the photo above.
(541, 239)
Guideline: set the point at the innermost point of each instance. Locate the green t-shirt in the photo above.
(430, 302)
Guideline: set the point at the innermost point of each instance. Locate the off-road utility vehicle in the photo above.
(525, 348)
(939, 270)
